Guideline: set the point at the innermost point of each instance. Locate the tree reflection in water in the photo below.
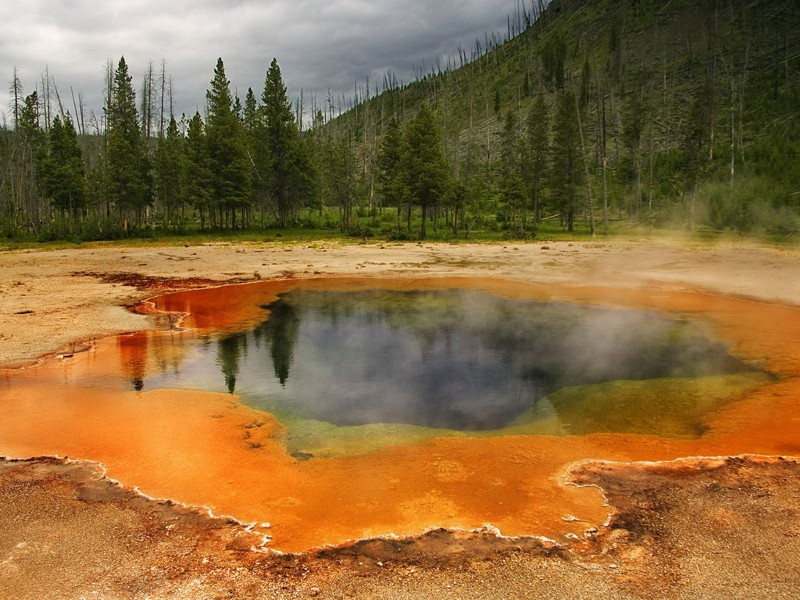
(447, 359)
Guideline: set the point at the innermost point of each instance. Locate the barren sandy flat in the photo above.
(51, 299)
(690, 528)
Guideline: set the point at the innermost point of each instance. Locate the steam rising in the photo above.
(455, 359)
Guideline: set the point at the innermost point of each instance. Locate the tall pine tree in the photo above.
(512, 184)
(168, 170)
(227, 153)
(255, 135)
(63, 175)
(424, 168)
(196, 177)
(127, 166)
(285, 177)
(535, 154)
(388, 162)
(566, 170)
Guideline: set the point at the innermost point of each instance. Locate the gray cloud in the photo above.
(319, 45)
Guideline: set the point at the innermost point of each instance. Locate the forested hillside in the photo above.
(590, 115)
(679, 114)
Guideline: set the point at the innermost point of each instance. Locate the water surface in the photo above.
(449, 359)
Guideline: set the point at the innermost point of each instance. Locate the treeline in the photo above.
(591, 115)
(238, 165)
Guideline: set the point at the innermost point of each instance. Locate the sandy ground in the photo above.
(686, 529)
(51, 299)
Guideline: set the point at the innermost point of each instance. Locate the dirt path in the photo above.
(684, 530)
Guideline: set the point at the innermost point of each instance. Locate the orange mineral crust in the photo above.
(211, 450)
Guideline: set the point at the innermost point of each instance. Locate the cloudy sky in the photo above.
(319, 44)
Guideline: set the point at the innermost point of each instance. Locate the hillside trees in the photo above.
(536, 148)
(566, 160)
(339, 179)
(511, 173)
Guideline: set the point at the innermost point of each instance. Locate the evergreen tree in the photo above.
(250, 116)
(456, 199)
(28, 126)
(424, 168)
(512, 184)
(535, 154)
(129, 181)
(227, 152)
(390, 182)
(307, 183)
(554, 53)
(586, 82)
(567, 174)
(196, 177)
(168, 171)
(339, 177)
(32, 143)
(63, 178)
(255, 135)
(285, 157)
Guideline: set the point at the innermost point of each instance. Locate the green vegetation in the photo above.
(675, 408)
(591, 116)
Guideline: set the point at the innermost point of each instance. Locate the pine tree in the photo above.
(389, 164)
(33, 149)
(63, 178)
(168, 170)
(285, 160)
(196, 177)
(306, 188)
(512, 184)
(339, 177)
(535, 154)
(127, 163)
(567, 174)
(554, 54)
(255, 136)
(28, 125)
(424, 168)
(632, 128)
(227, 152)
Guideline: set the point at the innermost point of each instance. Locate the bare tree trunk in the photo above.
(601, 116)
(163, 83)
(585, 162)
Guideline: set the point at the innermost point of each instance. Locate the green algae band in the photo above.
(458, 360)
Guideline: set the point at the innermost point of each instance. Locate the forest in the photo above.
(586, 117)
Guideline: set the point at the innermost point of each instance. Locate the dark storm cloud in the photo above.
(319, 45)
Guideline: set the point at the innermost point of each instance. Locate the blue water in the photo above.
(446, 359)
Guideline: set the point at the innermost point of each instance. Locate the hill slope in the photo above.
(694, 104)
